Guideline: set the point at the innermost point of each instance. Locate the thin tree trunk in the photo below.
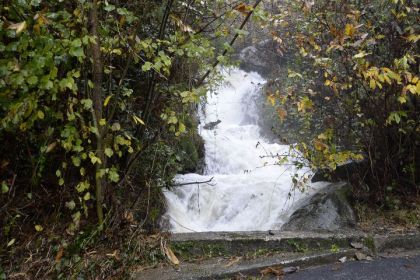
(97, 106)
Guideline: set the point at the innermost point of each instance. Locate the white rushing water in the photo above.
(249, 191)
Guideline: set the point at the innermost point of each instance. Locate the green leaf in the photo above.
(32, 80)
(172, 120)
(109, 7)
(70, 205)
(77, 52)
(115, 127)
(76, 161)
(82, 186)
(113, 175)
(86, 197)
(146, 66)
(109, 152)
(87, 103)
(4, 187)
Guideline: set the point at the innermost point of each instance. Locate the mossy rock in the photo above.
(191, 147)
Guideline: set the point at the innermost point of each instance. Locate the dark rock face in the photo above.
(345, 172)
(327, 210)
(259, 57)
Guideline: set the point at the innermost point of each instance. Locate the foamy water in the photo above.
(249, 190)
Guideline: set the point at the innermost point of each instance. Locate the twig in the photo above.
(193, 183)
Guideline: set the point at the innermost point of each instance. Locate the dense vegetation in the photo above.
(97, 106)
(350, 70)
(96, 116)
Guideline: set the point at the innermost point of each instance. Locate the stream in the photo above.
(247, 190)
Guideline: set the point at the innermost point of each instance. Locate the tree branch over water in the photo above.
(194, 183)
(248, 16)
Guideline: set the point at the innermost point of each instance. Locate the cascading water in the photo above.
(248, 191)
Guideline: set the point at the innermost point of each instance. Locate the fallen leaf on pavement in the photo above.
(168, 253)
(233, 261)
(276, 270)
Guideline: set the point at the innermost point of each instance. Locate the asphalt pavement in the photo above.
(390, 268)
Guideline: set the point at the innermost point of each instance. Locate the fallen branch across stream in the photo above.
(193, 183)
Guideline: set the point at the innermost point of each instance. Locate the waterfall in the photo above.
(247, 190)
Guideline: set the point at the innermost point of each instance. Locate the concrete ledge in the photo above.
(407, 241)
(213, 244)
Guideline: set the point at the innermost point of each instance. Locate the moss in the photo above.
(298, 246)
(369, 242)
(190, 250)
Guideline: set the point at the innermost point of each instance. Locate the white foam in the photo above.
(249, 191)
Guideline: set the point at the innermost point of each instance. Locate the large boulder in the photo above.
(260, 57)
(329, 210)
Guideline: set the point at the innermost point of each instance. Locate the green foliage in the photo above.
(95, 98)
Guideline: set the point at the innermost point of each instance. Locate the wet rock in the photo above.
(327, 210)
(259, 57)
(252, 57)
(360, 256)
(211, 125)
(290, 269)
(356, 245)
(343, 259)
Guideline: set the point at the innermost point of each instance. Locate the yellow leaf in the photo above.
(361, 54)
(305, 105)
(272, 99)
(40, 115)
(39, 228)
(412, 89)
(11, 242)
(18, 27)
(137, 120)
(350, 30)
(413, 38)
(322, 136)
(107, 100)
(402, 99)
